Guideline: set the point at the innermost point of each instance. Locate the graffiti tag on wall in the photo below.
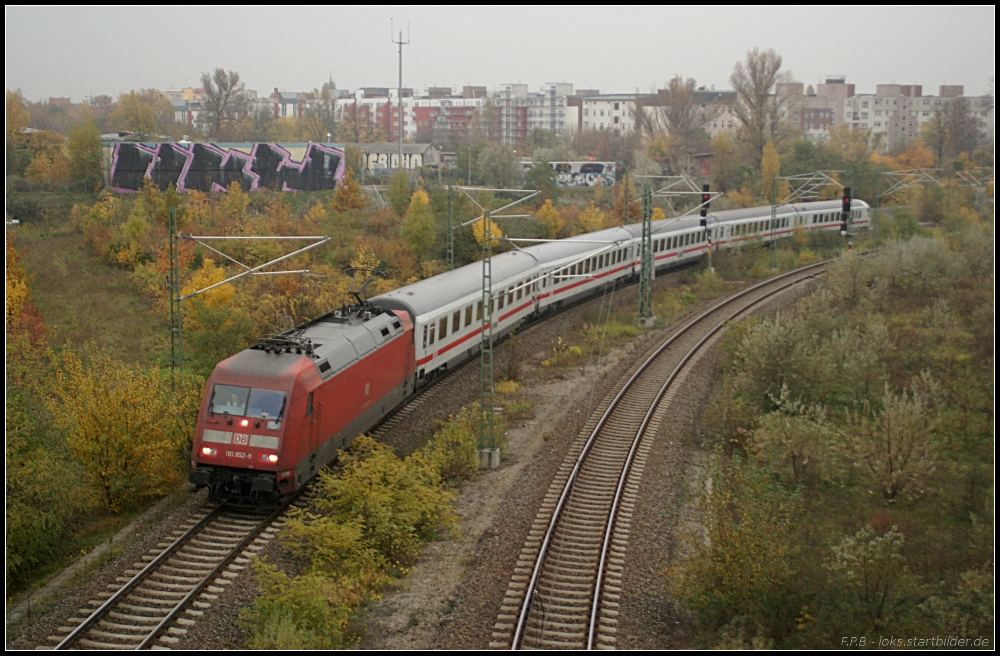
(213, 167)
(581, 174)
(375, 160)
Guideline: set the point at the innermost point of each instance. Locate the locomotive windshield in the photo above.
(266, 404)
(233, 400)
(229, 400)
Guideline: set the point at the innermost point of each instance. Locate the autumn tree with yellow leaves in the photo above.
(549, 217)
(479, 232)
(593, 218)
(122, 424)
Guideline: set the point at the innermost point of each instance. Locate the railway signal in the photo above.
(846, 211)
(706, 199)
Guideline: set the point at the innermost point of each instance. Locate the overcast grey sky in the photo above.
(77, 52)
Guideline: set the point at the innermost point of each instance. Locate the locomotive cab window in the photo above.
(266, 404)
(230, 400)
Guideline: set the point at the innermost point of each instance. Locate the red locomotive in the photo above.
(272, 415)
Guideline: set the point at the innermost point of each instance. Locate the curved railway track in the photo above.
(160, 597)
(564, 590)
(155, 603)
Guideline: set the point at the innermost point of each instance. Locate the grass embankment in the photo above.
(81, 300)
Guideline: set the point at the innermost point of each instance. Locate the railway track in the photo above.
(564, 592)
(155, 603)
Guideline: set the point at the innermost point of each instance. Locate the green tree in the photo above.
(542, 177)
(467, 162)
(85, 157)
(499, 167)
(399, 192)
(417, 228)
(726, 173)
(538, 139)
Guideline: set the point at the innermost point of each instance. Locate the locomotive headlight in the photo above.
(208, 451)
(244, 422)
(269, 457)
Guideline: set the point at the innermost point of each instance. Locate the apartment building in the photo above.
(896, 112)
(439, 111)
(608, 111)
(520, 111)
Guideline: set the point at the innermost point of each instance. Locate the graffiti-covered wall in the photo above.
(214, 166)
(582, 174)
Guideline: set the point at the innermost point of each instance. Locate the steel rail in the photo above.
(126, 589)
(626, 468)
(211, 576)
(567, 488)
